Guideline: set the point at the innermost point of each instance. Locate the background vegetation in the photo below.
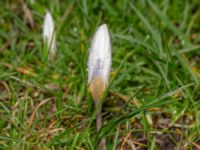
(153, 101)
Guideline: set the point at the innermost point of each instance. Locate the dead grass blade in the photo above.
(30, 121)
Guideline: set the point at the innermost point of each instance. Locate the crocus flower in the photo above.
(49, 35)
(99, 65)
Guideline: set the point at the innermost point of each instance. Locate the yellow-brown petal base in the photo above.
(97, 88)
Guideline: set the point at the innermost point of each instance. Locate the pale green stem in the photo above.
(102, 144)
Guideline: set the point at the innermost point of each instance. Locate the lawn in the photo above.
(152, 101)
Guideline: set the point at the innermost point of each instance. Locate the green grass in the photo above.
(155, 76)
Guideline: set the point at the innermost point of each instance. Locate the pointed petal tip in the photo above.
(103, 27)
(48, 16)
(101, 39)
(48, 21)
(101, 32)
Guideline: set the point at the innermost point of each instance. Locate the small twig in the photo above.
(36, 109)
(124, 141)
(20, 69)
(196, 145)
(56, 130)
(131, 144)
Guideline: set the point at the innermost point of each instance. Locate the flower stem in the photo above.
(102, 144)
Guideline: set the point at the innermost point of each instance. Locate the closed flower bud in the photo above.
(49, 35)
(99, 63)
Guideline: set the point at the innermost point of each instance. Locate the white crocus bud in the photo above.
(99, 63)
(49, 35)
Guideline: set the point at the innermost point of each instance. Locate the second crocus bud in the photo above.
(49, 36)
